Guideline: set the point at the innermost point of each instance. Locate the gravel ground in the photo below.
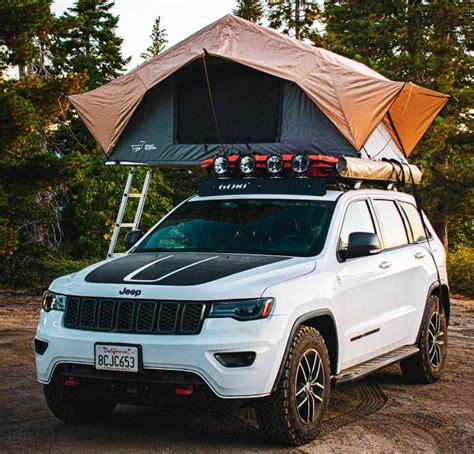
(378, 414)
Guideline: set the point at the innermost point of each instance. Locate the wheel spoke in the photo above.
(438, 322)
(432, 355)
(302, 402)
(438, 354)
(301, 390)
(432, 346)
(308, 367)
(313, 406)
(319, 385)
(315, 395)
(300, 367)
(310, 401)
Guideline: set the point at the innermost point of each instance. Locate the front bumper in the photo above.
(188, 353)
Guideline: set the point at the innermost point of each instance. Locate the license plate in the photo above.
(120, 358)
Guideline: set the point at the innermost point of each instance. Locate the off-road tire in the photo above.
(277, 415)
(419, 368)
(71, 408)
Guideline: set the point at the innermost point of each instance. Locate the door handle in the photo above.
(385, 265)
(419, 255)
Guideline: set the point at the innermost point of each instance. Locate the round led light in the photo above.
(221, 165)
(300, 163)
(247, 165)
(274, 164)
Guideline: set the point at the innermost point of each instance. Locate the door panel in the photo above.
(367, 291)
(367, 286)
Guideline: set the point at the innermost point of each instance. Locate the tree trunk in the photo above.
(441, 229)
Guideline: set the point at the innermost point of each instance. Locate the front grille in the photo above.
(141, 317)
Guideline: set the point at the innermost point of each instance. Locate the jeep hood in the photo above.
(185, 275)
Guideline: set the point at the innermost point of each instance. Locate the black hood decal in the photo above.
(176, 268)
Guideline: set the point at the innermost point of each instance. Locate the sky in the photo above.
(180, 18)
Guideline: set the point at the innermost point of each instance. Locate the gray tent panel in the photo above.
(151, 136)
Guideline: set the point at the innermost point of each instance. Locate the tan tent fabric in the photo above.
(354, 97)
(412, 113)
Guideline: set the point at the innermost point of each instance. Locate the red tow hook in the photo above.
(71, 382)
(185, 390)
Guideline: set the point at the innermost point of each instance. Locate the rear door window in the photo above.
(393, 227)
(415, 221)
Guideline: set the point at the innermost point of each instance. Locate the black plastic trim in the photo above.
(433, 287)
(299, 321)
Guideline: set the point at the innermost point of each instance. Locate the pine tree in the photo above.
(296, 18)
(427, 43)
(158, 41)
(30, 171)
(22, 24)
(252, 10)
(87, 43)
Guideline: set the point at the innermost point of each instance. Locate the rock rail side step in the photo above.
(366, 368)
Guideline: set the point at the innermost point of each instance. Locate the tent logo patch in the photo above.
(143, 146)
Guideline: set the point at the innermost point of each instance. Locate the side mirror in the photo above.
(362, 244)
(131, 238)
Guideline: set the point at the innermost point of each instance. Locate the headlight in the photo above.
(242, 309)
(53, 301)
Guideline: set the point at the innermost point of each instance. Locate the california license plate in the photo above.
(120, 358)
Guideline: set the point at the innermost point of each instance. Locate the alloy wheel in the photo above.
(436, 339)
(309, 386)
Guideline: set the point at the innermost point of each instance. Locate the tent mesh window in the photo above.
(247, 104)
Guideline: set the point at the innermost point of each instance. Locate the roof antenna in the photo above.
(216, 123)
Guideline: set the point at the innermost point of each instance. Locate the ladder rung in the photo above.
(135, 195)
(127, 224)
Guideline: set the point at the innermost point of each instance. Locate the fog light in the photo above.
(40, 346)
(238, 359)
(300, 163)
(247, 165)
(274, 164)
(221, 165)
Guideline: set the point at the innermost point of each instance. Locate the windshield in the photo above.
(276, 227)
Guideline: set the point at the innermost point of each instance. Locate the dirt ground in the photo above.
(378, 414)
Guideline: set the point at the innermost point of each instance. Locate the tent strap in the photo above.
(211, 99)
(420, 211)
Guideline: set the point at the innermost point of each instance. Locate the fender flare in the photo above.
(435, 285)
(299, 321)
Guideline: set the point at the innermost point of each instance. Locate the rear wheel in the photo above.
(292, 414)
(70, 407)
(426, 366)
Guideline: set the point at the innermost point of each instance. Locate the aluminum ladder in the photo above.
(141, 196)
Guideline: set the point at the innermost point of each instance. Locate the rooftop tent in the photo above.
(271, 93)
(174, 123)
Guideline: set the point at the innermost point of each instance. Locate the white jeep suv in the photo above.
(245, 293)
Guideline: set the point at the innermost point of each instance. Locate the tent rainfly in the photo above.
(271, 94)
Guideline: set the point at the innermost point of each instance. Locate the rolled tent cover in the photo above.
(354, 98)
(367, 169)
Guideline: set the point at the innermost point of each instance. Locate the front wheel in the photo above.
(74, 409)
(292, 414)
(426, 365)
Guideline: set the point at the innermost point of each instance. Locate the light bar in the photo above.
(262, 165)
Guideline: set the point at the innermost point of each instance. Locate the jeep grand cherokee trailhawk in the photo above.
(251, 294)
